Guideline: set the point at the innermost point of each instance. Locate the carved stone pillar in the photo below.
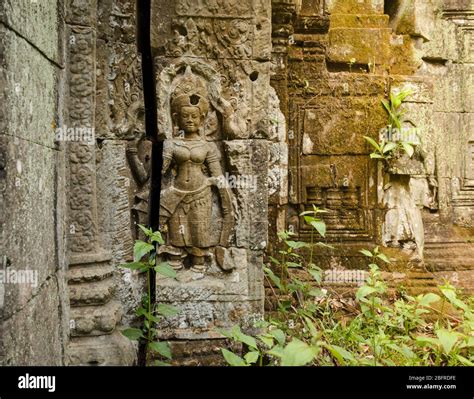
(94, 315)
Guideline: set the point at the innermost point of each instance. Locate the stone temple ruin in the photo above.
(219, 121)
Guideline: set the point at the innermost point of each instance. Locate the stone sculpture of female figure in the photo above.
(186, 205)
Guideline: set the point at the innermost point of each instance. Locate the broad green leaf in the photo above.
(428, 299)
(148, 316)
(244, 338)
(145, 230)
(162, 348)
(317, 275)
(447, 339)
(140, 311)
(452, 297)
(404, 350)
(275, 279)
(389, 147)
(140, 249)
(279, 336)
(395, 100)
(157, 237)
(167, 310)
(267, 340)
(320, 227)
(404, 94)
(365, 290)
(226, 333)
(376, 156)
(408, 148)
(232, 359)
(251, 357)
(133, 333)
(373, 143)
(134, 265)
(296, 244)
(297, 353)
(366, 252)
(165, 270)
(464, 361)
(383, 257)
(292, 264)
(161, 363)
(422, 339)
(341, 354)
(276, 351)
(386, 105)
(276, 261)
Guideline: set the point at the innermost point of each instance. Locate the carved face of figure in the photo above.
(190, 119)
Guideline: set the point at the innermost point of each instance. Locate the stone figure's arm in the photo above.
(140, 172)
(230, 127)
(214, 166)
(167, 156)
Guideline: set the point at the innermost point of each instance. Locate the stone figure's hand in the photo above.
(226, 106)
(132, 146)
(432, 181)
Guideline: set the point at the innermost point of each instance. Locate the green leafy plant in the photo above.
(312, 326)
(291, 258)
(144, 260)
(386, 149)
(270, 348)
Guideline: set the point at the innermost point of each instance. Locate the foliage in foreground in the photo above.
(144, 260)
(309, 327)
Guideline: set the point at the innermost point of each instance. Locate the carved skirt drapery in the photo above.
(189, 215)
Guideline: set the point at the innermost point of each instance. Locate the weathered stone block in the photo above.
(37, 22)
(29, 110)
(468, 84)
(247, 160)
(355, 6)
(449, 89)
(329, 132)
(33, 335)
(213, 301)
(364, 45)
(443, 41)
(359, 21)
(28, 216)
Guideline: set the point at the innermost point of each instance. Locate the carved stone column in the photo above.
(94, 315)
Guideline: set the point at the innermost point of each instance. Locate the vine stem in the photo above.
(149, 312)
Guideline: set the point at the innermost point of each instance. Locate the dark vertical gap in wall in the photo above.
(149, 95)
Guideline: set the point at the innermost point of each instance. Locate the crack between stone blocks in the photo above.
(38, 292)
(31, 44)
(30, 141)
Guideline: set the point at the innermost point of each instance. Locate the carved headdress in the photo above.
(191, 91)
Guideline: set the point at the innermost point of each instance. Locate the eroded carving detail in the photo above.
(225, 8)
